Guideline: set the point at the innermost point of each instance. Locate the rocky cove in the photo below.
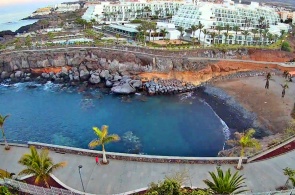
(128, 71)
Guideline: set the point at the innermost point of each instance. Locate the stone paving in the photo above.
(122, 176)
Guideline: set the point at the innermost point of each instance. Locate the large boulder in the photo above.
(94, 78)
(117, 77)
(109, 83)
(123, 88)
(45, 75)
(84, 75)
(18, 74)
(136, 83)
(4, 75)
(105, 74)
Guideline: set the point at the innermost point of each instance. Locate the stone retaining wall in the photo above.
(139, 158)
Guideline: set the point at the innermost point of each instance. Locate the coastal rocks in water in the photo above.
(109, 83)
(18, 74)
(136, 83)
(4, 75)
(123, 88)
(105, 74)
(169, 86)
(117, 77)
(45, 75)
(94, 78)
(84, 73)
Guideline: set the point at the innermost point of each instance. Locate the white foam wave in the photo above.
(225, 128)
(49, 86)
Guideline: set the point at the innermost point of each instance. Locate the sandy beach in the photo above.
(273, 111)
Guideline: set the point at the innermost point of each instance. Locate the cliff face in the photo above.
(122, 63)
(97, 58)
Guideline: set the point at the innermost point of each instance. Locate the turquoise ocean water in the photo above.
(159, 125)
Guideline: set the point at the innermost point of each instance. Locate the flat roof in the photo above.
(122, 27)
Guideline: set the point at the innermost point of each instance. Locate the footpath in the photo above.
(122, 176)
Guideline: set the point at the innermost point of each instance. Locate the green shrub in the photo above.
(136, 21)
(286, 46)
(170, 187)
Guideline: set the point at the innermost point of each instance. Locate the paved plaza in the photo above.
(122, 176)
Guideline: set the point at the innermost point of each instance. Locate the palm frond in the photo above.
(111, 138)
(94, 143)
(97, 131)
(39, 165)
(104, 130)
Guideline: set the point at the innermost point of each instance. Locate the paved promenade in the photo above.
(135, 51)
(121, 176)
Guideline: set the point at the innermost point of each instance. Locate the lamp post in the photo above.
(80, 167)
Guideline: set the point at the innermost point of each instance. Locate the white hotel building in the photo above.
(211, 15)
(126, 11)
(246, 17)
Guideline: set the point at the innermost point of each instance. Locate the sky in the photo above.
(13, 10)
(4, 3)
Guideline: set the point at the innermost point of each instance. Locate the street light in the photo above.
(80, 167)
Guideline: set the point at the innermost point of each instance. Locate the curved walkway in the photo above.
(122, 176)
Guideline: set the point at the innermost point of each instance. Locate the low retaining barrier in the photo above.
(139, 158)
(276, 150)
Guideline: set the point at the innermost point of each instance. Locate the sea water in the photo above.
(175, 125)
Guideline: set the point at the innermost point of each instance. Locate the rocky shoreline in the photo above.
(119, 84)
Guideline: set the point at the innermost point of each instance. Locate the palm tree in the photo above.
(265, 31)
(236, 29)
(244, 140)
(254, 31)
(276, 37)
(226, 36)
(96, 15)
(142, 30)
(219, 28)
(227, 27)
(2, 121)
(260, 36)
(213, 35)
(205, 34)
(226, 183)
(245, 33)
(270, 37)
(150, 26)
(282, 33)
(285, 86)
(154, 28)
(290, 173)
(164, 32)
(260, 21)
(39, 165)
(193, 29)
(200, 27)
(103, 138)
(181, 30)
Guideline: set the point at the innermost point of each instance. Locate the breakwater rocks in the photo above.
(170, 86)
(119, 84)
